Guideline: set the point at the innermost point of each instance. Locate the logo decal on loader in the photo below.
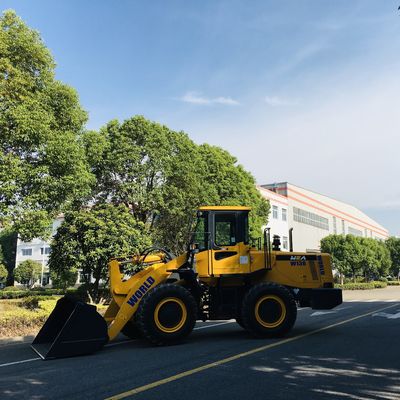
(298, 260)
(141, 291)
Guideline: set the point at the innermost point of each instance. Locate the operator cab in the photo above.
(221, 239)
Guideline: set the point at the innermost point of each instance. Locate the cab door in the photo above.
(228, 248)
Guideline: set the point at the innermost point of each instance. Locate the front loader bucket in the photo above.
(73, 328)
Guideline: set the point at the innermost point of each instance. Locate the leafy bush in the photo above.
(379, 284)
(362, 285)
(23, 321)
(11, 288)
(34, 302)
(393, 283)
(19, 294)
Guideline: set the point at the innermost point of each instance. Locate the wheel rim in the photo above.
(170, 315)
(270, 311)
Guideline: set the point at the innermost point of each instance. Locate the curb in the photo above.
(16, 340)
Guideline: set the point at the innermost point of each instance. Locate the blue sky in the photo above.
(299, 91)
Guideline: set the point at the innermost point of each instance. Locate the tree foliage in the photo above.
(42, 165)
(3, 273)
(163, 176)
(393, 244)
(28, 272)
(88, 239)
(354, 256)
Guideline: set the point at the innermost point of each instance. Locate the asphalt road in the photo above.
(351, 352)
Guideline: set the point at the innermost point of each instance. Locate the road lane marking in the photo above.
(318, 313)
(19, 362)
(387, 315)
(217, 363)
(114, 344)
(210, 326)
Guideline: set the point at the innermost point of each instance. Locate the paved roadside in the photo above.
(387, 293)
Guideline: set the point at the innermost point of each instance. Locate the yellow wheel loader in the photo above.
(221, 276)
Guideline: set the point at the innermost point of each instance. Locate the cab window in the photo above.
(225, 229)
(201, 236)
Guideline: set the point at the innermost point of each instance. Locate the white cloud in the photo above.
(198, 98)
(276, 101)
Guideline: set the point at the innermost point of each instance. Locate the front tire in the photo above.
(269, 310)
(131, 330)
(167, 314)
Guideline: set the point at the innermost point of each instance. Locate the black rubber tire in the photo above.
(240, 322)
(147, 308)
(131, 330)
(288, 312)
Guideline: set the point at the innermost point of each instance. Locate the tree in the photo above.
(163, 176)
(3, 273)
(8, 240)
(42, 166)
(28, 272)
(356, 256)
(88, 239)
(335, 245)
(393, 245)
(64, 278)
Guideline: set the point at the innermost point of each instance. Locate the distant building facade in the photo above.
(314, 216)
(37, 250)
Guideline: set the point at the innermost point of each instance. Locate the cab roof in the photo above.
(224, 208)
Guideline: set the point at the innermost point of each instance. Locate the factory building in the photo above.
(314, 216)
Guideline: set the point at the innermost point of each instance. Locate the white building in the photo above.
(37, 250)
(278, 218)
(314, 216)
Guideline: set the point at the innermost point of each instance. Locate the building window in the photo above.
(45, 250)
(343, 227)
(285, 242)
(275, 212)
(26, 252)
(284, 214)
(354, 232)
(309, 218)
(334, 225)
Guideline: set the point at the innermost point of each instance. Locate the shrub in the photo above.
(393, 283)
(11, 288)
(379, 284)
(34, 302)
(362, 285)
(19, 294)
(23, 321)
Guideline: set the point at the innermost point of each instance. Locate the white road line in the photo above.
(19, 362)
(210, 326)
(371, 300)
(113, 344)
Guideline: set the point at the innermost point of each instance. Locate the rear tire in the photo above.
(269, 310)
(167, 314)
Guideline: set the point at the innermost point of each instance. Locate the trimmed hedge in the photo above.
(21, 320)
(21, 293)
(393, 283)
(362, 285)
